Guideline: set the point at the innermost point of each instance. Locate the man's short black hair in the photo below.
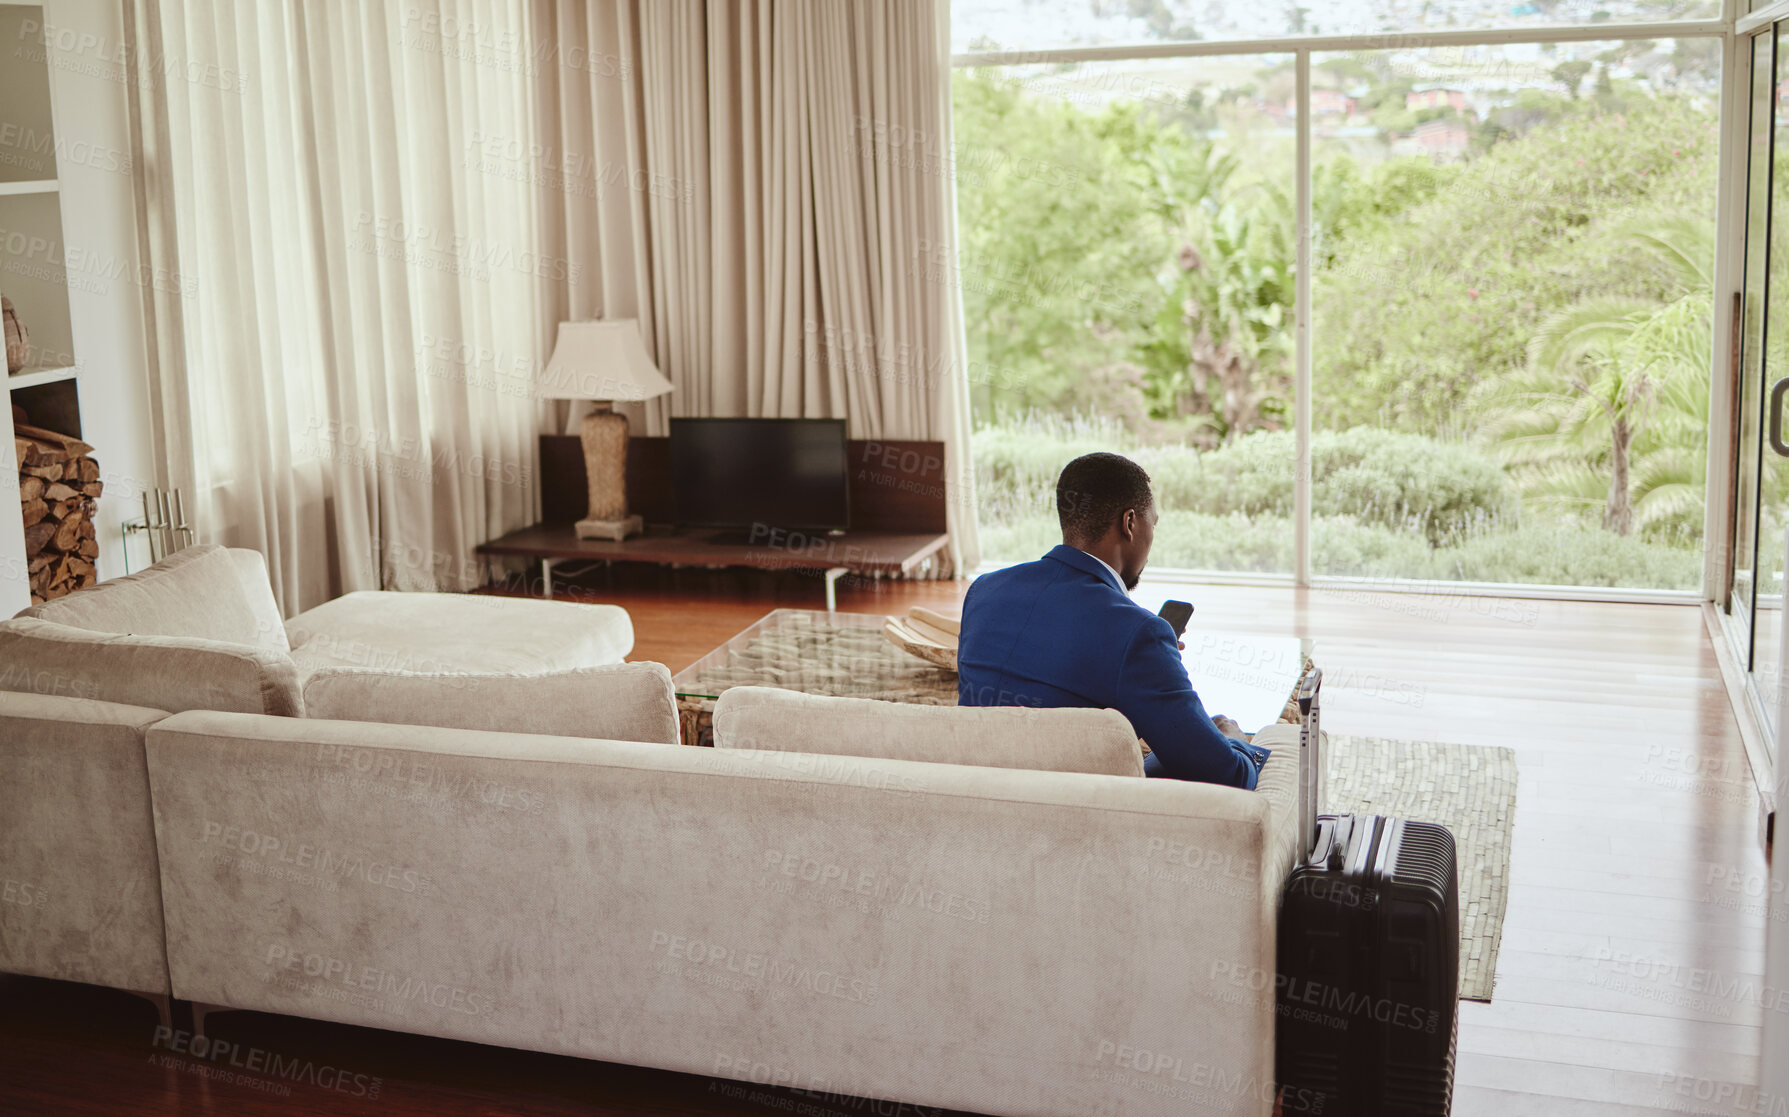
(1095, 489)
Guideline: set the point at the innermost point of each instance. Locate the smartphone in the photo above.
(1177, 613)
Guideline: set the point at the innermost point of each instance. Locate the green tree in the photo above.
(1413, 311)
(1614, 395)
(1221, 347)
(1060, 245)
(1571, 75)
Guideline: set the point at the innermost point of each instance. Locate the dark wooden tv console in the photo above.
(897, 498)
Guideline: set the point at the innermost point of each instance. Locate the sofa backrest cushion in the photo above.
(206, 591)
(617, 702)
(170, 673)
(1053, 740)
(83, 898)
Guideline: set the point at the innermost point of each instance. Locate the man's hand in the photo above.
(1228, 727)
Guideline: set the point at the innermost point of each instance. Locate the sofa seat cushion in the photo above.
(1052, 740)
(614, 702)
(458, 633)
(206, 592)
(172, 673)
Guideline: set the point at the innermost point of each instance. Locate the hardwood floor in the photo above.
(1630, 978)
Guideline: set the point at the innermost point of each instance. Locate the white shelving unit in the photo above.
(34, 279)
(32, 377)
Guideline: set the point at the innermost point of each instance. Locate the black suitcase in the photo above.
(1369, 958)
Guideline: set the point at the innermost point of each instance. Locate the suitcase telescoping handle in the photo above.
(1310, 761)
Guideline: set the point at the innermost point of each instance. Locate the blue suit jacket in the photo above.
(1061, 631)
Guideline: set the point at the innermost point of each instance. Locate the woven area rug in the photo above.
(1471, 791)
(816, 654)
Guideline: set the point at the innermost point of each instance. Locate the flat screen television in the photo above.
(745, 473)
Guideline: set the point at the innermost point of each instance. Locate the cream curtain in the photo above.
(589, 148)
(378, 213)
(341, 364)
(767, 185)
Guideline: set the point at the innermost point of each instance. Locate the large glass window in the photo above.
(1513, 292)
(1046, 24)
(1127, 274)
(1511, 279)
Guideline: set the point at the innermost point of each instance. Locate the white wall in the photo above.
(1773, 1078)
(26, 98)
(99, 229)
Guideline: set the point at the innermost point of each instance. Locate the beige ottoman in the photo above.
(456, 633)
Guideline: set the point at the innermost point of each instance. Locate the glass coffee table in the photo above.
(1250, 678)
(841, 655)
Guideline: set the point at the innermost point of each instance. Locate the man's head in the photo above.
(1107, 510)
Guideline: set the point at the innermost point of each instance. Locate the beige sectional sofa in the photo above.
(962, 930)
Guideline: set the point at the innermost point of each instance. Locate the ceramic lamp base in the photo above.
(616, 530)
(604, 435)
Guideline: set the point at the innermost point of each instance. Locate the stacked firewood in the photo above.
(59, 487)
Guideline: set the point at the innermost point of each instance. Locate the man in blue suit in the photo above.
(1062, 631)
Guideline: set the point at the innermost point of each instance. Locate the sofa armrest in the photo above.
(616, 702)
(82, 889)
(1278, 784)
(170, 673)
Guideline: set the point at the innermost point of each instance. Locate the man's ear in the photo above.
(1127, 524)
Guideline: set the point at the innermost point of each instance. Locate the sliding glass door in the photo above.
(1761, 476)
(1742, 597)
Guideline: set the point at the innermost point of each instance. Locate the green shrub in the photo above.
(1016, 463)
(1019, 540)
(1253, 476)
(1387, 504)
(1443, 491)
(1553, 555)
(1564, 555)
(1345, 547)
(1240, 543)
(1183, 541)
(1193, 541)
(1440, 490)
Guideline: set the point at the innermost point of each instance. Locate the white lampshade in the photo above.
(601, 361)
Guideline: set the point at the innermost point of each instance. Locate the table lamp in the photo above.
(603, 362)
